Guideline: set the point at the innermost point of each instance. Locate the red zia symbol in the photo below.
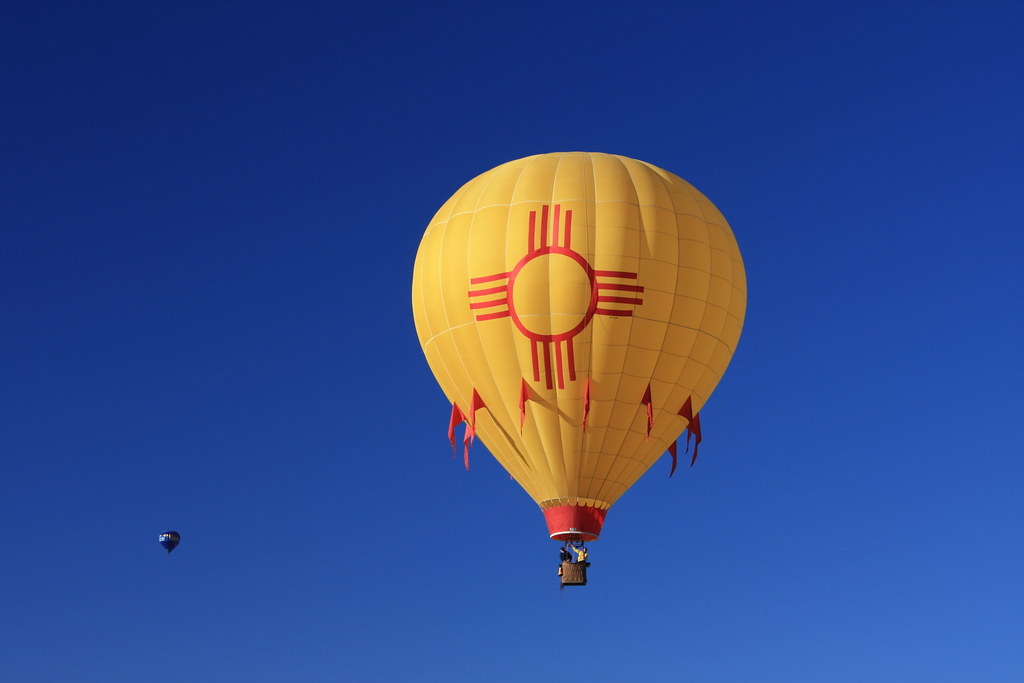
(552, 294)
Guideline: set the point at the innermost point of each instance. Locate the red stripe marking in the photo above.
(614, 273)
(536, 364)
(547, 363)
(554, 229)
(488, 278)
(544, 226)
(558, 365)
(611, 311)
(489, 290)
(571, 357)
(533, 229)
(619, 288)
(488, 304)
(493, 316)
(618, 300)
(568, 228)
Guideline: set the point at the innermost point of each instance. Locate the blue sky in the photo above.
(207, 227)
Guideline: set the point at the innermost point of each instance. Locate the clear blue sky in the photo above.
(208, 218)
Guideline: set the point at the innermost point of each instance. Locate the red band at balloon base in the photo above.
(569, 522)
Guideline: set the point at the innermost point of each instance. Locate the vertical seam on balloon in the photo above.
(444, 308)
(594, 471)
(611, 486)
(701, 398)
(546, 476)
(493, 383)
(668, 420)
(573, 394)
(691, 191)
(466, 399)
(637, 441)
(558, 464)
(536, 478)
(544, 485)
(459, 398)
(633, 462)
(607, 482)
(631, 474)
(587, 459)
(734, 259)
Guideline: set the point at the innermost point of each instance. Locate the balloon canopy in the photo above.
(578, 309)
(170, 540)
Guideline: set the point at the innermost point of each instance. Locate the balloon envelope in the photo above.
(169, 540)
(570, 305)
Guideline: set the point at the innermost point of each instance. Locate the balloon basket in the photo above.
(573, 573)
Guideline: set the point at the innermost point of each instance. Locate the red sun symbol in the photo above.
(545, 266)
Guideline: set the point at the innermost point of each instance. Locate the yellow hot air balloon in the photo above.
(578, 309)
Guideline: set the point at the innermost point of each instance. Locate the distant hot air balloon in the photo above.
(578, 309)
(170, 540)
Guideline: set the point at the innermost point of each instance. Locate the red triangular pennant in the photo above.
(471, 429)
(672, 449)
(650, 410)
(692, 427)
(695, 430)
(474, 406)
(524, 396)
(687, 411)
(457, 417)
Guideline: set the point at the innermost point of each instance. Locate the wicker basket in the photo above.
(574, 573)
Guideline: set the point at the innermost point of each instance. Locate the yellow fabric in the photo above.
(630, 225)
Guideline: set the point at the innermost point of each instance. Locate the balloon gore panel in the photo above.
(585, 299)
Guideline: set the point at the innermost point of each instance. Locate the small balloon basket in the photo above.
(573, 573)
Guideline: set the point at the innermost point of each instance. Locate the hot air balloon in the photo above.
(170, 540)
(578, 309)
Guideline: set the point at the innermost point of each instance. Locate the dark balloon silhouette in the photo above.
(170, 540)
